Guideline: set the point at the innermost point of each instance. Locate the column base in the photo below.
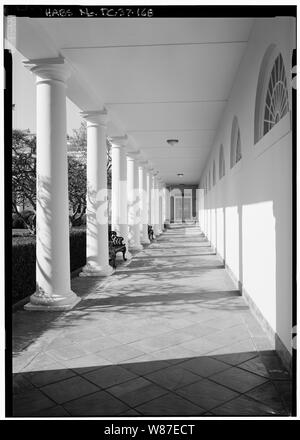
(52, 303)
(135, 247)
(96, 271)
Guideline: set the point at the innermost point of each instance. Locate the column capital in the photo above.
(49, 69)
(98, 117)
(119, 141)
(133, 155)
(143, 163)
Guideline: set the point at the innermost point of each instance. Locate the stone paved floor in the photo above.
(165, 335)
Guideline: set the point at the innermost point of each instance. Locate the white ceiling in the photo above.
(158, 78)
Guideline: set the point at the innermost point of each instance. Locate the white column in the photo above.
(119, 190)
(143, 202)
(149, 193)
(160, 206)
(163, 205)
(133, 196)
(155, 205)
(53, 286)
(167, 205)
(97, 253)
(152, 197)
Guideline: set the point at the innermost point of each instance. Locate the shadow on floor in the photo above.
(219, 300)
(233, 384)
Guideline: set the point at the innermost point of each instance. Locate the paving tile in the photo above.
(256, 366)
(149, 345)
(274, 365)
(96, 404)
(108, 376)
(225, 322)
(86, 363)
(21, 384)
(197, 330)
(235, 354)
(172, 377)
(229, 336)
(206, 393)
(131, 413)
(55, 411)
(121, 353)
(137, 391)
(201, 346)
(150, 328)
(66, 352)
(204, 366)
(174, 355)
(26, 404)
(263, 343)
(178, 323)
(145, 364)
(69, 389)
(98, 344)
(21, 360)
(268, 395)
(169, 320)
(237, 379)
(41, 378)
(170, 405)
(284, 387)
(43, 362)
(80, 334)
(244, 406)
(127, 337)
(253, 326)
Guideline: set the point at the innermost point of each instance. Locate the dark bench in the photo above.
(112, 255)
(150, 233)
(116, 245)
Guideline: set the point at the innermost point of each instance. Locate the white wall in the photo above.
(247, 214)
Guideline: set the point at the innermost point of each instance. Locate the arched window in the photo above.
(272, 102)
(235, 150)
(214, 173)
(221, 163)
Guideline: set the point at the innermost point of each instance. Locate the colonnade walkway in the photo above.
(166, 335)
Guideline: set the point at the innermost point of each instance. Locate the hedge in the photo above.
(24, 258)
(77, 248)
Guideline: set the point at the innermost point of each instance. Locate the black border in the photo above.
(294, 234)
(162, 11)
(7, 225)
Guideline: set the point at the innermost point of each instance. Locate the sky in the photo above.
(24, 98)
